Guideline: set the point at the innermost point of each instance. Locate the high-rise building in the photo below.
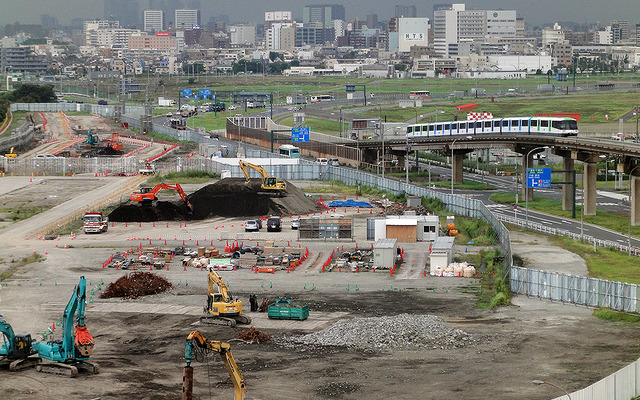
(405, 11)
(187, 19)
(457, 24)
(90, 30)
(620, 30)
(153, 20)
(324, 13)
(243, 34)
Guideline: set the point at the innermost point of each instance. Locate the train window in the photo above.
(439, 127)
(544, 123)
(454, 127)
(534, 123)
(505, 123)
(425, 128)
(525, 123)
(463, 126)
(409, 129)
(515, 123)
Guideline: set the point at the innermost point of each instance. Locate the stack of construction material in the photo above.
(458, 270)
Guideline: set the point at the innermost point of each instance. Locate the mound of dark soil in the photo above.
(231, 197)
(161, 211)
(234, 197)
(136, 284)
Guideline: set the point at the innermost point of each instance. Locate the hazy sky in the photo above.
(535, 12)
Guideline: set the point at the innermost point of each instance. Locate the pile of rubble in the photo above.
(376, 333)
(253, 335)
(136, 284)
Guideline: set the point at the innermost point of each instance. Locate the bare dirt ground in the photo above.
(140, 343)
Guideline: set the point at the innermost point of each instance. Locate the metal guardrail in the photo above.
(562, 232)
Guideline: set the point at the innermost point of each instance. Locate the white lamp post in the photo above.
(526, 185)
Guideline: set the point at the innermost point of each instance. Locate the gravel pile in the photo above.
(404, 330)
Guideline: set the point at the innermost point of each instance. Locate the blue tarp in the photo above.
(349, 203)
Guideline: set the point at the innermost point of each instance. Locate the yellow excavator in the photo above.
(11, 154)
(197, 343)
(221, 307)
(269, 184)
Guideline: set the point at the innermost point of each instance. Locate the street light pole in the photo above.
(526, 183)
(454, 142)
(539, 382)
(630, 205)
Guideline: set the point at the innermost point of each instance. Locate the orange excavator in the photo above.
(146, 195)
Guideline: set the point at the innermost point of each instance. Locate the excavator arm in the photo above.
(269, 183)
(197, 340)
(223, 289)
(152, 194)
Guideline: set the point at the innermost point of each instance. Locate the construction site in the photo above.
(259, 288)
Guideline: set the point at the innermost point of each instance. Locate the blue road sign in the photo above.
(538, 177)
(204, 93)
(299, 134)
(186, 93)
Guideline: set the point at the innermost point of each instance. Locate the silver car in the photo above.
(251, 226)
(295, 224)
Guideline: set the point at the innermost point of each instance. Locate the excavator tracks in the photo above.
(24, 363)
(70, 370)
(218, 321)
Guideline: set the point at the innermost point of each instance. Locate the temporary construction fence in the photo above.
(70, 165)
(107, 111)
(98, 205)
(579, 290)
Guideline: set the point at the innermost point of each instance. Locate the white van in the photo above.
(334, 162)
(322, 161)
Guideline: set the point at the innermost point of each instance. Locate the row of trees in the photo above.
(26, 93)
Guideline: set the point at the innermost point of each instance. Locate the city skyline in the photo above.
(542, 12)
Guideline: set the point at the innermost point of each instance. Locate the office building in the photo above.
(242, 35)
(410, 32)
(323, 13)
(405, 11)
(456, 24)
(187, 19)
(153, 20)
(21, 59)
(620, 30)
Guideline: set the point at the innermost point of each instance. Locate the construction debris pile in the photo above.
(230, 197)
(389, 208)
(376, 333)
(354, 261)
(253, 335)
(136, 284)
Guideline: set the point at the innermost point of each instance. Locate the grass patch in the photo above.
(33, 258)
(191, 176)
(21, 212)
(494, 289)
(474, 230)
(608, 314)
(613, 221)
(165, 138)
(319, 125)
(603, 263)
(18, 117)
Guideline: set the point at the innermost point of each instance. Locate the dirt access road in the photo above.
(140, 343)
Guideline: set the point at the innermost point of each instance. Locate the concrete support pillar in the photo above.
(457, 167)
(401, 161)
(635, 203)
(589, 188)
(527, 193)
(567, 189)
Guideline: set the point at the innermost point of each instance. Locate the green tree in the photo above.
(29, 93)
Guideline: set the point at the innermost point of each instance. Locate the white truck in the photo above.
(95, 222)
(162, 102)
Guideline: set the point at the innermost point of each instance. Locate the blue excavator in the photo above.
(70, 354)
(16, 349)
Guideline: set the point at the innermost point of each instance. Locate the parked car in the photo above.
(274, 224)
(46, 156)
(169, 115)
(334, 162)
(251, 226)
(232, 107)
(322, 161)
(295, 224)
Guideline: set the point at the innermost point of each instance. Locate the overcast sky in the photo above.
(535, 12)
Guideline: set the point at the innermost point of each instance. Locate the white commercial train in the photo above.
(552, 126)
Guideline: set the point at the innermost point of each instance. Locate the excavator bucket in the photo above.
(84, 341)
